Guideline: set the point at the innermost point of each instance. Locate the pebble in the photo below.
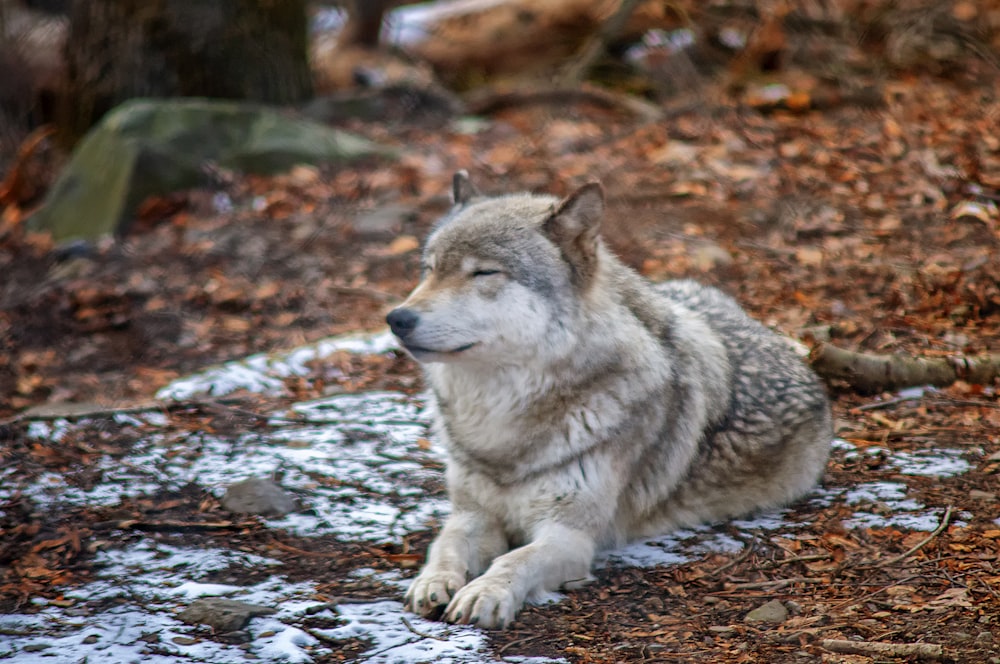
(772, 612)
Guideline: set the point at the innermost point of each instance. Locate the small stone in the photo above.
(239, 637)
(976, 494)
(91, 638)
(184, 640)
(256, 495)
(222, 615)
(35, 647)
(773, 612)
(722, 630)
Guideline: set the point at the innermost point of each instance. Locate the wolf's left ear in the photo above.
(462, 189)
(574, 229)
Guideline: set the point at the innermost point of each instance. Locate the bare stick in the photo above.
(913, 549)
(774, 584)
(174, 526)
(919, 650)
(419, 633)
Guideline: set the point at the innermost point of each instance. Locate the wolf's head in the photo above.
(501, 276)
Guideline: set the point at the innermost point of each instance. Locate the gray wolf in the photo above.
(582, 406)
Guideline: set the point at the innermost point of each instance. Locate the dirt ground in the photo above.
(873, 226)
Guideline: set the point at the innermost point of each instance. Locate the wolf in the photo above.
(582, 406)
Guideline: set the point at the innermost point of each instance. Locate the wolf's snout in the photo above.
(402, 321)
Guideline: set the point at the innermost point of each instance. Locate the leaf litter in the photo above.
(356, 463)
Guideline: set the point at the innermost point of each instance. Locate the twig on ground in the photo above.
(888, 403)
(302, 552)
(421, 634)
(519, 642)
(747, 552)
(922, 543)
(919, 650)
(337, 601)
(854, 601)
(173, 526)
(799, 559)
(773, 584)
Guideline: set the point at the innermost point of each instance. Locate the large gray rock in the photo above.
(222, 615)
(256, 495)
(152, 146)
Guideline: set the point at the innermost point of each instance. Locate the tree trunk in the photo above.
(232, 49)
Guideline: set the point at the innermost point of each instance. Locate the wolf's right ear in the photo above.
(462, 189)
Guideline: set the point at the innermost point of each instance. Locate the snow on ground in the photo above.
(362, 469)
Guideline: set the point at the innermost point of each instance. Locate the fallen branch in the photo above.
(870, 373)
(173, 526)
(81, 411)
(484, 102)
(920, 650)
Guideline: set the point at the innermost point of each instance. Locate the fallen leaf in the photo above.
(403, 244)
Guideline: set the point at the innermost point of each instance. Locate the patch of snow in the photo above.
(266, 373)
(356, 465)
(890, 508)
(930, 463)
(384, 625)
(128, 613)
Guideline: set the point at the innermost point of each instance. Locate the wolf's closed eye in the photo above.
(485, 273)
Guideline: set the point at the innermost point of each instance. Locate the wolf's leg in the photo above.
(558, 555)
(466, 545)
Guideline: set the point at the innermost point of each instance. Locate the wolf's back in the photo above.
(770, 441)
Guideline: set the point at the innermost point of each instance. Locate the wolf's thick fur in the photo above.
(582, 406)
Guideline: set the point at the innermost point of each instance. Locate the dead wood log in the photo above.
(873, 648)
(597, 45)
(870, 373)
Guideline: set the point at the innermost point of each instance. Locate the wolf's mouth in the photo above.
(431, 351)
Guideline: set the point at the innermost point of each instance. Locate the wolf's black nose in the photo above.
(402, 321)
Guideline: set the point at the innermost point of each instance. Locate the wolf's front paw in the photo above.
(486, 602)
(432, 590)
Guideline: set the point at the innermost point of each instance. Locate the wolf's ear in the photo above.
(574, 227)
(462, 189)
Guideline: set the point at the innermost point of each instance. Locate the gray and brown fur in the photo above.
(583, 406)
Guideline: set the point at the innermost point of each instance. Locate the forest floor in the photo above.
(873, 226)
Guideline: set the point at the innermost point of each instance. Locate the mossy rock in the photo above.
(151, 147)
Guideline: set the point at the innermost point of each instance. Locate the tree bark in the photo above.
(231, 49)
